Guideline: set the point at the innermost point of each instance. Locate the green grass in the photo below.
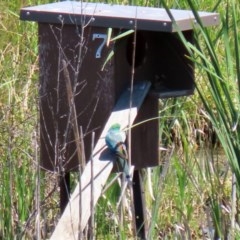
(192, 188)
(18, 123)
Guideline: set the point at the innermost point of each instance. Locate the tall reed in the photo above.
(216, 58)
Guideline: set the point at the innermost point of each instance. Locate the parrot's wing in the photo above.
(121, 150)
(122, 159)
(113, 138)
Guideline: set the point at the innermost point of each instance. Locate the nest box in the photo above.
(79, 37)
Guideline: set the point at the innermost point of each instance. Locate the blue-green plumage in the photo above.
(115, 140)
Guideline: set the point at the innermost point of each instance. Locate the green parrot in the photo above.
(115, 140)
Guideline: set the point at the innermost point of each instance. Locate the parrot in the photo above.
(115, 141)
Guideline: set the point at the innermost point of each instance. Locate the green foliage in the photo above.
(18, 122)
(219, 70)
(222, 73)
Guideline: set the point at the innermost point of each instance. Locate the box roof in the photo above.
(115, 16)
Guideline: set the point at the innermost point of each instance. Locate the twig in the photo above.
(73, 113)
(129, 120)
(37, 194)
(80, 230)
(124, 187)
(165, 170)
(92, 191)
(73, 117)
(234, 201)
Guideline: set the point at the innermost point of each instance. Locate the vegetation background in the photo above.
(195, 191)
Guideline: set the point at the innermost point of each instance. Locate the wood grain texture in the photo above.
(69, 224)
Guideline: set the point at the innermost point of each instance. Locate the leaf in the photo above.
(124, 34)
(109, 34)
(110, 55)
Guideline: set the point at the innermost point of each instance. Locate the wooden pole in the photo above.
(139, 204)
(64, 184)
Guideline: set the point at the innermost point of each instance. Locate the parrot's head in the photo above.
(115, 126)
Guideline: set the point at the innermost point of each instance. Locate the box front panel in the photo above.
(93, 91)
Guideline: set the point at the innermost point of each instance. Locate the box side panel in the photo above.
(145, 136)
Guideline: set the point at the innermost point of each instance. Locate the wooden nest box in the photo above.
(77, 36)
